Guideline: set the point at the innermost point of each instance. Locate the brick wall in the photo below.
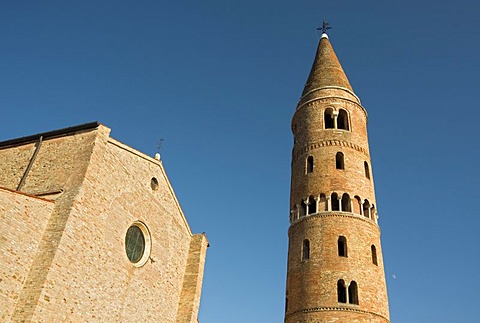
(80, 271)
(312, 284)
(23, 219)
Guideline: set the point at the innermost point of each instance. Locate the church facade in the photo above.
(335, 270)
(92, 231)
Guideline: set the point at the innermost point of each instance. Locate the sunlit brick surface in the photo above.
(64, 260)
(311, 294)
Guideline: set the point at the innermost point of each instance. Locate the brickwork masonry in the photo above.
(66, 258)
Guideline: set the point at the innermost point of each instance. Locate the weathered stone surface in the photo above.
(67, 253)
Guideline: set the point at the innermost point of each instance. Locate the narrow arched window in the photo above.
(328, 117)
(346, 204)
(366, 209)
(335, 202)
(303, 208)
(342, 246)
(374, 255)
(286, 304)
(312, 205)
(353, 293)
(306, 250)
(342, 120)
(357, 206)
(341, 291)
(367, 170)
(310, 164)
(339, 161)
(323, 205)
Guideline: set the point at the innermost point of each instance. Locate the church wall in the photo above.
(91, 278)
(59, 165)
(23, 219)
(57, 172)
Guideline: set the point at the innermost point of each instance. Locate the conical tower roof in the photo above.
(326, 71)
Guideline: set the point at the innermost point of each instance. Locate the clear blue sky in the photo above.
(219, 81)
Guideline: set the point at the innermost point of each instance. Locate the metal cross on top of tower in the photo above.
(325, 27)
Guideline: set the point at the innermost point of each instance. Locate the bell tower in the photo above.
(335, 265)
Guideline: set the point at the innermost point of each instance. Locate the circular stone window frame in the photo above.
(148, 243)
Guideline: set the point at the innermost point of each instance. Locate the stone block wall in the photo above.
(23, 219)
(80, 270)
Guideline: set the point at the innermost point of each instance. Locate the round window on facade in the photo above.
(154, 183)
(137, 244)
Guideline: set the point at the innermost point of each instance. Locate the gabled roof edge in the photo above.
(49, 134)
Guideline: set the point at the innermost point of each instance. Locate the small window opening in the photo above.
(342, 246)
(154, 183)
(357, 205)
(328, 116)
(312, 205)
(366, 209)
(306, 250)
(303, 209)
(340, 161)
(335, 202)
(286, 304)
(342, 120)
(341, 291)
(323, 205)
(310, 164)
(367, 170)
(353, 293)
(374, 255)
(346, 204)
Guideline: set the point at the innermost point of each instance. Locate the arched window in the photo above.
(357, 205)
(306, 250)
(312, 205)
(342, 120)
(328, 117)
(353, 293)
(303, 209)
(322, 204)
(367, 170)
(341, 291)
(366, 209)
(342, 246)
(335, 202)
(346, 205)
(374, 255)
(340, 161)
(310, 164)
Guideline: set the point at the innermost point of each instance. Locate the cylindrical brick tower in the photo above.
(335, 265)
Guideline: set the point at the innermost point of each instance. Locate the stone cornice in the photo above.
(328, 99)
(332, 88)
(334, 308)
(334, 214)
(26, 194)
(325, 143)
